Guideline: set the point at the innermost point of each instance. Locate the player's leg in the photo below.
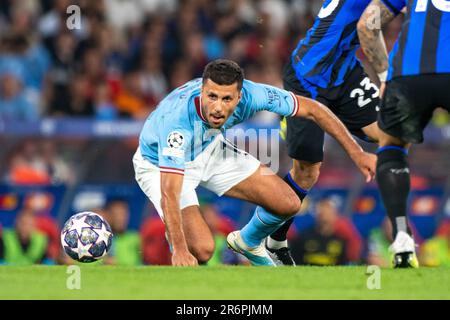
(404, 113)
(372, 132)
(304, 139)
(393, 174)
(198, 236)
(235, 173)
(277, 202)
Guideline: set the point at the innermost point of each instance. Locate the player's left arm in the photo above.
(370, 25)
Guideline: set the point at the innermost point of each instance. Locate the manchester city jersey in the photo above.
(176, 132)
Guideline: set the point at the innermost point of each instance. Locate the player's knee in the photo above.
(306, 174)
(291, 206)
(204, 251)
(294, 205)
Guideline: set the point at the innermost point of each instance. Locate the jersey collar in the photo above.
(198, 108)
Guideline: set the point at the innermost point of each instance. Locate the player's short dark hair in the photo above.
(224, 72)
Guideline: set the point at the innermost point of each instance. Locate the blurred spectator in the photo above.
(130, 100)
(39, 204)
(24, 245)
(124, 14)
(378, 245)
(22, 170)
(62, 48)
(444, 228)
(38, 164)
(153, 82)
(332, 241)
(14, 103)
(54, 20)
(220, 227)
(50, 160)
(125, 250)
(103, 105)
(194, 53)
(435, 252)
(94, 68)
(180, 74)
(154, 244)
(77, 101)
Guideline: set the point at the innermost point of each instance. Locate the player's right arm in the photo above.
(285, 103)
(331, 124)
(378, 14)
(174, 142)
(171, 184)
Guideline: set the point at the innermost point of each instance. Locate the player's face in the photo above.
(219, 102)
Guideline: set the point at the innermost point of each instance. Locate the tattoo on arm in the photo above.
(374, 18)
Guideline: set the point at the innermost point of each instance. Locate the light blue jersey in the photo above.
(176, 132)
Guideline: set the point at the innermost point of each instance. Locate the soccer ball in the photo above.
(86, 237)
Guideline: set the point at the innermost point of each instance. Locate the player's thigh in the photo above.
(198, 236)
(356, 103)
(388, 140)
(234, 172)
(228, 167)
(268, 191)
(406, 108)
(304, 140)
(148, 178)
(372, 131)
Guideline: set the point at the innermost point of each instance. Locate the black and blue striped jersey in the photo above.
(325, 57)
(423, 46)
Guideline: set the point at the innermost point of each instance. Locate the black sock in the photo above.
(281, 233)
(394, 184)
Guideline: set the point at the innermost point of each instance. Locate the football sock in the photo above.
(275, 245)
(260, 226)
(280, 234)
(393, 179)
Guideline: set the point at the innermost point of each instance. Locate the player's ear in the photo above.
(239, 96)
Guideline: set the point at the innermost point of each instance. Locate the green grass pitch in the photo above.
(222, 283)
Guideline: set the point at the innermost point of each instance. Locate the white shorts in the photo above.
(217, 168)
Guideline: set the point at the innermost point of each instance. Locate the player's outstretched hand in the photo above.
(366, 163)
(183, 258)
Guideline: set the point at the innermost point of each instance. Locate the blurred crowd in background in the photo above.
(127, 55)
(118, 63)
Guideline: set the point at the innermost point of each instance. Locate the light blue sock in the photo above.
(262, 224)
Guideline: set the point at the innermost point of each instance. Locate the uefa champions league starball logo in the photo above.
(175, 140)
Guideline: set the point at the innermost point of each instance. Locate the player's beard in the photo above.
(215, 120)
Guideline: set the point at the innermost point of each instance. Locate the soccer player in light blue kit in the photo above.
(182, 146)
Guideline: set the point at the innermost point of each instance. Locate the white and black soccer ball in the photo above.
(175, 140)
(86, 237)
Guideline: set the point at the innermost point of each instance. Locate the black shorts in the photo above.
(355, 103)
(409, 102)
